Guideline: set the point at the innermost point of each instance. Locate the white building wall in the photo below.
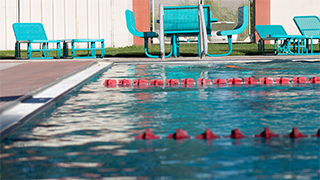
(3, 26)
(68, 19)
(121, 35)
(283, 11)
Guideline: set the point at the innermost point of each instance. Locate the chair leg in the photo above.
(175, 47)
(146, 45)
(29, 50)
(230, 48)
(72, 50)
(103, 49)
(58, 51)
(178, 46)
(17, 52)
(65, 49)
(311, 48)
(93, 51)
(45, 48)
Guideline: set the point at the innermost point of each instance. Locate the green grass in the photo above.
(185, 50)
(243, 49)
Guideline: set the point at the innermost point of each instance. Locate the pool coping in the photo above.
(18, 112)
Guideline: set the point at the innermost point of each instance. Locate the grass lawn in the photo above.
(138, 51)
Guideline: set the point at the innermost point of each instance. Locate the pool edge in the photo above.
(10, 120)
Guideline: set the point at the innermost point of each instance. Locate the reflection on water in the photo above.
(92, 134)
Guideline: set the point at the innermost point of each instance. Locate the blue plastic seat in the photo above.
(31, 33)
(309, 26)
(243, 19)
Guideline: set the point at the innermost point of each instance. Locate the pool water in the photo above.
(91, 134)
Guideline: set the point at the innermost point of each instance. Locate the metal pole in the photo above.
(203, 32)
(161, 31)
(200, 36)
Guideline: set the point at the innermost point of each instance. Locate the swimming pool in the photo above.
(91, 134)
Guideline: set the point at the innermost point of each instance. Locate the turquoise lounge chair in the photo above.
(34, 33)
(310, 27)
(284, 44)
(243, 19)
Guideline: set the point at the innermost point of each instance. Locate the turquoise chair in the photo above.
(243, 19)
(184, 21)
(264, 31)
(34, 33)
(131, 25)
(284, 44)
(178, 21)
(309, 26)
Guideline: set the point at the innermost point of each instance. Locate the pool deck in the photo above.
(27, 85)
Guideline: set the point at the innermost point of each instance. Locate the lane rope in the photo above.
(189, 82)
(235, 134)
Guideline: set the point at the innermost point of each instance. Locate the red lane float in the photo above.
(172, 82)
(267, 134)
(295, 134)
(266, 80)
(179, 134)
(299, 80)
(314, 80)
(110, 82)
(187, 81)
(156, 82)
(148, 134)
(124, 82)
(236, 134)
(316, 135)
(282, 80)
(208, 134)
(235, 81)
(251, 80)
(204, 81)
(219, 81)
(139, 82)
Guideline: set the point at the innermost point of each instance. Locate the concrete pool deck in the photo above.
(28, 85)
